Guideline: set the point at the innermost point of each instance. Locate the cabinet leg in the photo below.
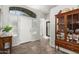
(10, 49)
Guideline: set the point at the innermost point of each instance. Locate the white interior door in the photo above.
(25, 26)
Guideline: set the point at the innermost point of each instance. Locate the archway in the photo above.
(24, 17)
(29, 12)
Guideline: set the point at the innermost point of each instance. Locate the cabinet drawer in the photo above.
(7, 40)
(68, 47)
(73, 48)
(76, 49)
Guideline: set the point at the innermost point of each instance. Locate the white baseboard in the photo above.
(22, 42)
(15, 44)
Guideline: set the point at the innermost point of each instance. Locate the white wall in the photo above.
(43, 24)
(42, 27)
(35, 29)
(53, 12)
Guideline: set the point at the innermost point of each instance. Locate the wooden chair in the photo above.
(4, 41)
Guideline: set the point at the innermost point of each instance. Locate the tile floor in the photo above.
(36, 47)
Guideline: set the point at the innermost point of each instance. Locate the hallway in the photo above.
(36, 47)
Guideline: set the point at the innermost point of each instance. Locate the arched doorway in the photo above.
(21, 19)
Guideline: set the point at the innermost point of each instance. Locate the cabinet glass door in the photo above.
(69, 27)
(60, 28)
(76, 28)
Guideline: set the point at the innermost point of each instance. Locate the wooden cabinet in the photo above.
(67, 30)
(4, 41)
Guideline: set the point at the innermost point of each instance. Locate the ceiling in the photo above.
(42, 8)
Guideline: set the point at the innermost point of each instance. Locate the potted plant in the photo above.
(6, 29)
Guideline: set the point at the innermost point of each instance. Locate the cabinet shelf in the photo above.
(68, 23)
(60, 23)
